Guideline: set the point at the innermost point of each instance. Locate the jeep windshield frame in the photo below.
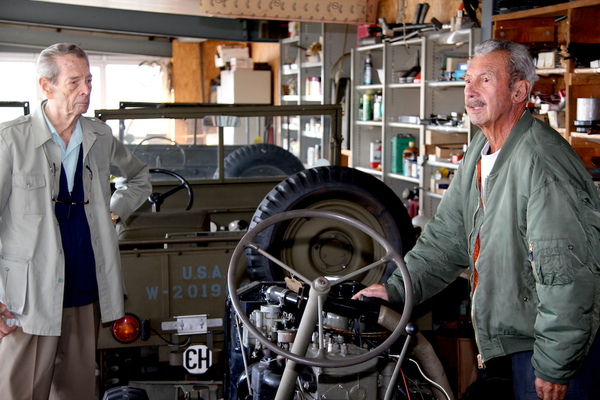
(330, 114)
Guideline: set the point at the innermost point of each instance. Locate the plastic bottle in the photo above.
(411, 152)
(377, 111)
(314, 88)
(368, 73)
(307, 87)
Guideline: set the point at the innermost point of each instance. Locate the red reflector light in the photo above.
(126, 329)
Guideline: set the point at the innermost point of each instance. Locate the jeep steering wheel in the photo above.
(157, 198)
(319, 289)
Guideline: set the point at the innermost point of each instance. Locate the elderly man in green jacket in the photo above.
(59, 254)
(522, 213)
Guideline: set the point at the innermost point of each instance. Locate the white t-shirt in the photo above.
(487, 164)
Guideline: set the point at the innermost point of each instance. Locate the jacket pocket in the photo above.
(13, 277)
(28, 195)
(551, 262)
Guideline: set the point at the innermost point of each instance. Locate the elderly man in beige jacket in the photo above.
(59, 255)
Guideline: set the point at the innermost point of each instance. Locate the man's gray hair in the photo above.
(46, 65)
(520, 62)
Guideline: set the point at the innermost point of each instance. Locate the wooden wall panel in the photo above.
(187, 84)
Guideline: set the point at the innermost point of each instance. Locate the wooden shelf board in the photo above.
(548, 11)
(587, 70)
(551, 71)
(591, 138)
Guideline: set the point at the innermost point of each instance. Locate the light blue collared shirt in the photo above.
(70, 155)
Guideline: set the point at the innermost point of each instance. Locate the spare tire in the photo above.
(260, 160)
(320, 247)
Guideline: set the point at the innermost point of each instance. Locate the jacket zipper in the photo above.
(480, 363)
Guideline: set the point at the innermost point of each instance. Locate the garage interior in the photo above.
(346, 70)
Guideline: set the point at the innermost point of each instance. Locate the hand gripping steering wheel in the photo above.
(319, 289)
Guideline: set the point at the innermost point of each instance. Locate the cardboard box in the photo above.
(452, 63)
(347, 11)
(225, 54)
(446, 151)
(435, 137)
(238, 64)
(244, 87)
(439, 186)
(548, 59)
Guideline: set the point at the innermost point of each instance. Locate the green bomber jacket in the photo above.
(538, 267)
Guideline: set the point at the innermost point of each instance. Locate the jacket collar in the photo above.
(41, 132)
(514, 137)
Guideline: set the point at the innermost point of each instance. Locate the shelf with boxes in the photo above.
(422, 102)
(307, 60)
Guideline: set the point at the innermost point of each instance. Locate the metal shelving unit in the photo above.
(415, 99)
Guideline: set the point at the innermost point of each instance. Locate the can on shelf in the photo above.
(375, 154)
(399, 143)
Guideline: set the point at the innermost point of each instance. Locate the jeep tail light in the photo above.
(126, 329)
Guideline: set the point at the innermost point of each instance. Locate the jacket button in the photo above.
(28, 184)
(8, 268)
(570, 247)
(59, 280)
(60, 251)
(525, 298)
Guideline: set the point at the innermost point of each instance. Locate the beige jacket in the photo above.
(32, 264)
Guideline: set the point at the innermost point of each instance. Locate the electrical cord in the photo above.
(437, 385)
(187, 341)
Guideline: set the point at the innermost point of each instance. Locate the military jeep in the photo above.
(217, 171)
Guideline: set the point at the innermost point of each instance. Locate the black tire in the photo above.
(299, 243)
(260, 160)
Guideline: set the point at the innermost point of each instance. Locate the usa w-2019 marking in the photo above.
(193, 291)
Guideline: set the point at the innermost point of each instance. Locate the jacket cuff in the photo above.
(121, 210)
(394, 295)
(551, 380)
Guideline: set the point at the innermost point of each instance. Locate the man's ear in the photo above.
(520, 91)
(46, 86)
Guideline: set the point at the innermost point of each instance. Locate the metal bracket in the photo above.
(192, 324)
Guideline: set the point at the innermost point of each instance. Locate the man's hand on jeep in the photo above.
(4, 328)
(375, 290)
